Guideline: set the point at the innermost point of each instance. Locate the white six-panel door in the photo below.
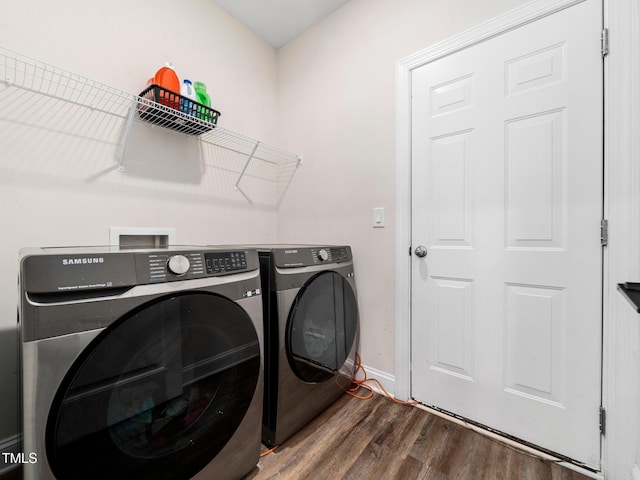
(507, 199)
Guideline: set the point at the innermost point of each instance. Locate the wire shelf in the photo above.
(44, 84)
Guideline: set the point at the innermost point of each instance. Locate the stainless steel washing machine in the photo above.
(311, 333)
(140, 363)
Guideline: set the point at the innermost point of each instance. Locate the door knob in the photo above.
(421, 251)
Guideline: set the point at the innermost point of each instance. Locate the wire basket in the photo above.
(176, 112)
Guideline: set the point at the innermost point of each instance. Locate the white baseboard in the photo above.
(635, 472)
(387, 380)
(8, 445)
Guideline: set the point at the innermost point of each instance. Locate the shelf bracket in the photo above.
(124, 140)
(286, 187)
(246, 165)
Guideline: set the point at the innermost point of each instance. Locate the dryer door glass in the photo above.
(321, 328)
(158, 394)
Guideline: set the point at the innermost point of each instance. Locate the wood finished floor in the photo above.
(378, 439)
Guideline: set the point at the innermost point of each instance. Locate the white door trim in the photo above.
(621, 366)
(621, 447)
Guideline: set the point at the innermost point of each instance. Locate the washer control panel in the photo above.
(164, 266)
(160, 266)
(63, 270)
(222, 262)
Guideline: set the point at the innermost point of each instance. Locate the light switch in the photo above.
(378, 217)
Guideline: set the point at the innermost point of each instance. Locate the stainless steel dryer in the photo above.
(140, 363)
(311, 332)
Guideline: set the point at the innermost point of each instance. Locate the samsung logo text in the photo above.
(82, 261)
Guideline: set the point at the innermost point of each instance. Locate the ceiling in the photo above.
(279, 21)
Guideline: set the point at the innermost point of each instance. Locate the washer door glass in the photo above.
(321, 328)
(158, 394)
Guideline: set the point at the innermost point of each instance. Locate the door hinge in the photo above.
(604, 232)
(604, 42)
(603, 420)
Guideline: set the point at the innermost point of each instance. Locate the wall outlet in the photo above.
(378, 217)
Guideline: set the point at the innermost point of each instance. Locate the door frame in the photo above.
(621, 259)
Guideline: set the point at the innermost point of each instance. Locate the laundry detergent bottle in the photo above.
(204, 99)
(187, 90)
(167, 78)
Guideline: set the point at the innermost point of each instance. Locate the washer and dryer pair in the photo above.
(151, 363)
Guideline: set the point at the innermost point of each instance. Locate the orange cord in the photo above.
(264, 454)
(356, 384)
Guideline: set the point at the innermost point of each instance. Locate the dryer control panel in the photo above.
(304, 256)
(330, 255)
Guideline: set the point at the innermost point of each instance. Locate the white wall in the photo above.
(336, 105)
(58, 188)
